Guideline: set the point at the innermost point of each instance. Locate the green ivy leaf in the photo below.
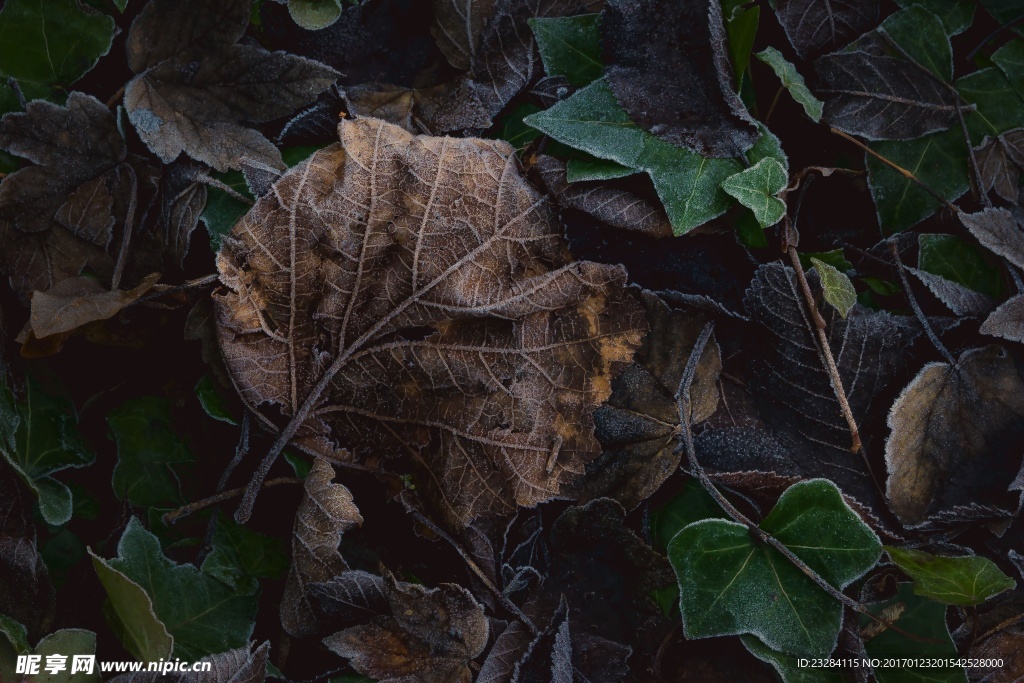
(729, 585)
(787, 666)
(39, 437)
(300, 464)
(999, 107)
(51, 43)
(131, 615)
(66, 642)
(924, 619)
(203, 615)
(589, 168)
(1010, 60)
(756, 187)
(213, 403)
(741, 22)
(956, 15)
(688, 184)
(793, 82)
(1004, 11)
(314, 15)
(147, 452)
(223, 210)
(951, 580)
(838, 289)
(958, 261)
(570, 47)
(835, 258)
(922, 35)
(938, 160)
(691, 505)
(239, 557)
(15, 633)
(121, 4)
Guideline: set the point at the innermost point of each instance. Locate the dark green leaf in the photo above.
(590, 168)
(51, 42)
(1010, 59)
(39, 437)
(203, 615)
(922, 35)
(926, 620)
(938, 160)
(214, 404)
(950, 257)
(793, 82)
(1004, 11)
(688, 184)
(148, 452)
(956, 15)
(756, 187)
(951, 580)
(223, 210)
(299, 464)
(741, 22)
(570, 47)
(788, 667)
(239, 556)
(692, 505)
(999, 106)
(835, 258)
(729, 584)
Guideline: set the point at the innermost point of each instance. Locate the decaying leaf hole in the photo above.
(413, 294)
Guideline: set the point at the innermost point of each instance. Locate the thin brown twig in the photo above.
(775, 101)
(186, 510)
(479, 573)
(1001, 626)
(697, 470)
(899, 169)
(112, 102)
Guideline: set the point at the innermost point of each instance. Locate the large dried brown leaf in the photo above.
(325, 514)
(956, 432)
(426, 286)
(428, 636)
(196, 87)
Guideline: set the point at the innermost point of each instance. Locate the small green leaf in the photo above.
(62, 551)
(741, 22)
(52, 42)
(147, 452)
(922, 35)
(999, 106)
(756, 187)
(39, 437)
(880, 286)
(590, 168)
(938, 160)
(139, 629)
(203, 615)
(959, 261)
(688, 184)
(513, 130)
(793, 82)
(691, 505)
(222, 210)
(788, 667)
(213, 403)
(239, 556)
(314, 15)
(956, 15)
(300, 464)
(729, 585)
(926, 621)
(835, 258)
(839, 290)
(570, 47)
(951, 580)
(68, 643)
(1010, 59)
(121, 4)
(15, 634)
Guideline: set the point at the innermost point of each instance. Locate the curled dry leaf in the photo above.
(195, 85)
(638, 426)
(1000, 159)
(429, 636)
(413, 294)
(325, 514)
(57, 217)
(668, 81)
(618, 208)
(78, 301)
(955, 435)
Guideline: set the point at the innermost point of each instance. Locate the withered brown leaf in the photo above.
(429, 637)
(955, 432)
(414, 294)
(195, 86)
(57, 217)
(325, 514)
(78, 301)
